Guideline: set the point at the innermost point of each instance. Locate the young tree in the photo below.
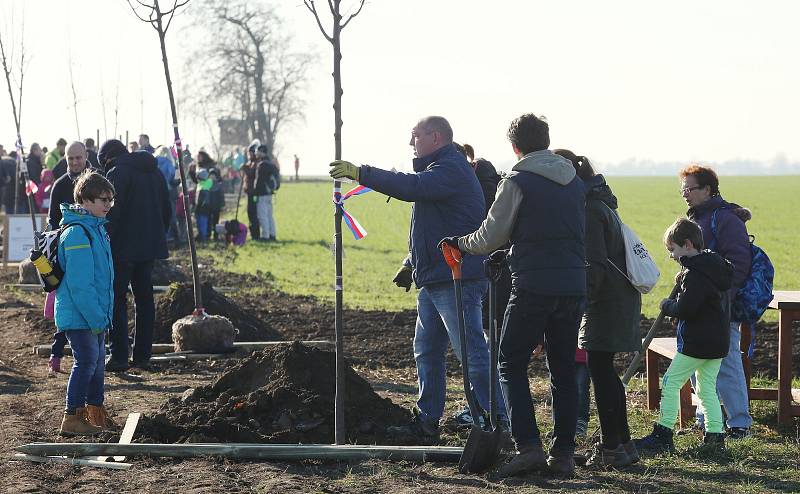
(160, 21)
(14, 71)
(334, 38)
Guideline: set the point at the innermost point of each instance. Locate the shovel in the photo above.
(483, 445)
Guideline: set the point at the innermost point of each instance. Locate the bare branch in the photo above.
(361, 6)
(171, 12)
(313, 9)
(149, 21)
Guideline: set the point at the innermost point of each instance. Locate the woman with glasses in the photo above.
(724, 231)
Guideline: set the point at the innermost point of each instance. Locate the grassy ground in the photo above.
(302, 262)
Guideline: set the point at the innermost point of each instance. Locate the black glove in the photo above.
(494, 264)
(451, 241)
(403, 278)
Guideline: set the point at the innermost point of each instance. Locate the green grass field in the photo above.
(302, 261)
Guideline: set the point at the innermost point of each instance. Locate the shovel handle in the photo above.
(453, 258)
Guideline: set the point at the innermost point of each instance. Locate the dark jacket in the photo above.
(62, 193)
(702, 306)
(447, 202)
(488, 178)
(266, 180)
(613, 310)
(141, 212)
(732, 241)
(91, 157)
(60, 169)
(35, 168)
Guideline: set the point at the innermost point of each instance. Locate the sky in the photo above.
(621, 82)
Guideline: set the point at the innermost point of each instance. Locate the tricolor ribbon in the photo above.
(338, 199)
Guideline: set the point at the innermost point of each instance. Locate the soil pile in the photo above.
(166, 273)
(279, 395)
(178, 302)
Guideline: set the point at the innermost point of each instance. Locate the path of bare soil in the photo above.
(379, 348)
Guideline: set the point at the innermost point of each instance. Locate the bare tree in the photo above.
(160, 21)
(247, 61)
(335, 39)
(14, 70)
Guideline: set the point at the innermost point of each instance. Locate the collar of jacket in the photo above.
(711, 204)
(75, 213)
(420, 164)
(547, 164)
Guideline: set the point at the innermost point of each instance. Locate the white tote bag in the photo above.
(642, 270)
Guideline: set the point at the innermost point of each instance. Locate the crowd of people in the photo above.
(552, 228)
(117, 209)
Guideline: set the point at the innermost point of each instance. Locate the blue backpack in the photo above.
(753, 298)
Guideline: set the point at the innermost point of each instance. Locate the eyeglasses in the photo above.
(106, 200)
(686, 190)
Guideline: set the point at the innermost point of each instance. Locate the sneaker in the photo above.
(633, 453)
(738, 433)
(658, 441)
(604, 458)
(464, 418)
(418, 430)
(115, 365)
(529, 460)
(714, 441)
(561, 465)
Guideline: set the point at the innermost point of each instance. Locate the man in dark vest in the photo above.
(540, 209)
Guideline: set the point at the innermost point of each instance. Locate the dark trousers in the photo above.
(532, 320)
(59, 342)
(503, 292)
(252, 217)
(139, 275)
(609, 395)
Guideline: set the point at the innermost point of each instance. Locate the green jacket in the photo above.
(52, 159)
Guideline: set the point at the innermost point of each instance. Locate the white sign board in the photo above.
(18, 236)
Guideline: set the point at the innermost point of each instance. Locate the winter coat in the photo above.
(267, 178)
(732, 241)
(42, 195)
(34, 168)
(613, 310)
(60, 169)
(448, 201)
(702, 306)
(167, 169)
(52, 158)
(540, 208)
(488, 178)
(62, 192)
(141, 212)
(85, 298)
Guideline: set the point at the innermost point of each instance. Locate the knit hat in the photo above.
(112, 148)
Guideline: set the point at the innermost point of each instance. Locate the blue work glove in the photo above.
(344, 169)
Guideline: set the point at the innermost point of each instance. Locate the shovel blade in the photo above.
(482, 450)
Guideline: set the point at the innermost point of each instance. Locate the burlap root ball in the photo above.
(27, 273)
(203, 334)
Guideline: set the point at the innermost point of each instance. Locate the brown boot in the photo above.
(78, 424)
(98, 416)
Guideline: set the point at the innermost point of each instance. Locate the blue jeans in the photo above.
(140, 277)
(85, 385)
(437, 325)
(732, 386)
(533, 320)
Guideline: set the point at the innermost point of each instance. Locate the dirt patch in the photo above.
(280, 395)
(166, 272)
(178, 302)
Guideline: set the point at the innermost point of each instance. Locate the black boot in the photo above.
(714, 441)
(659, 441)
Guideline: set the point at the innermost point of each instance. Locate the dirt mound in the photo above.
(279, 395)
(178, 302)
(166, 272)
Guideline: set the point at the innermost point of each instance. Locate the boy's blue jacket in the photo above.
(85, 298)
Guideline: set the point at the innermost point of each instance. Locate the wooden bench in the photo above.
(665, 347)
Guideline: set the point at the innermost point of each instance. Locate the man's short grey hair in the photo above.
(78, 144)
(438, 124)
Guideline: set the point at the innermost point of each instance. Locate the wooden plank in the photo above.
(128, 431)
(653, 392)
(277, 452)
(71, 461)
(785, 300)
(763, 394)
(162, 348)
(785, 319)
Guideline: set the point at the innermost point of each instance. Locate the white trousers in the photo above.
(265, 217)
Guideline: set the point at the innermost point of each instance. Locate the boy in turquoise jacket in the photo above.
(85, 301)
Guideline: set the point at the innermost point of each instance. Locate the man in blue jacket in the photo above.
(138, 225)
(540, 210)
(447, 201)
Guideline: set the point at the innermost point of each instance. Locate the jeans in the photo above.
(139, 275)
(609, 395)
(732, 386)
(553, 321)
(681, 367)
(437, 325)
(85, 385)
(202, 226)
(265, 216)
(582, 385)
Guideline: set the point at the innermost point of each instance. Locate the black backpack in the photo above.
(46, 245)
